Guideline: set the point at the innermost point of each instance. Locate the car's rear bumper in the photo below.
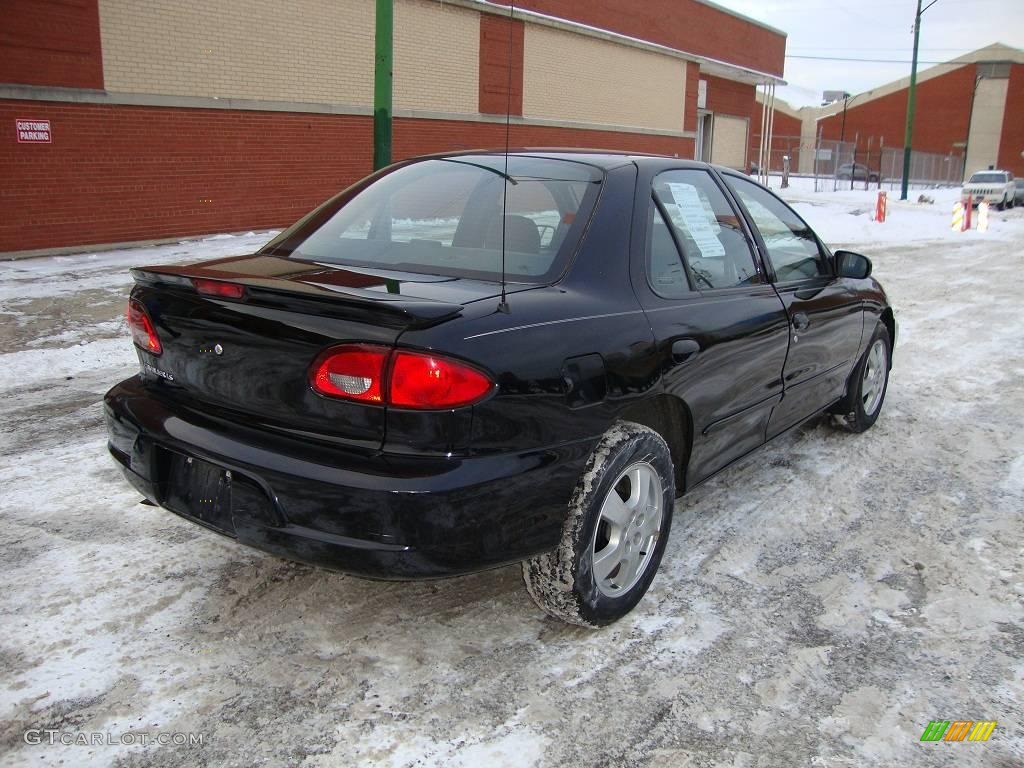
(381, 516)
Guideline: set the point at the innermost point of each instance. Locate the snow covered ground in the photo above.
(817, 606)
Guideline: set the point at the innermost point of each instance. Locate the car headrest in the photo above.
(521, 234)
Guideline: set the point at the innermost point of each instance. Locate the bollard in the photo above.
(880, 207)
(982, 216)
(968, 207)
(958, 217)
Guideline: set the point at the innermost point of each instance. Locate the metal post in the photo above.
(771, 132)
(911, 104)
(382, 83)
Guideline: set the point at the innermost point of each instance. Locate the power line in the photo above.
(865, 61)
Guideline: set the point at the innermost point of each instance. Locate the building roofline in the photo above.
(995, 53)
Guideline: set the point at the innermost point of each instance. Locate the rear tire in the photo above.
(869, 381)
(614, 537)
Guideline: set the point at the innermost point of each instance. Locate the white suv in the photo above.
(994, 187)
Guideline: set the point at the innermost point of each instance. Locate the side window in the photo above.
(667, 276)
(791, 244)
(707, 229)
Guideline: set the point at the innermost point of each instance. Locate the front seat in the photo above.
(521, 235)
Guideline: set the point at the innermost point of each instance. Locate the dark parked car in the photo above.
(1018, 191)
(857, 172)
(367, 393)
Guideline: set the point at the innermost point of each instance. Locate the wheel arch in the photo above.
(889, 319)
(669, 417)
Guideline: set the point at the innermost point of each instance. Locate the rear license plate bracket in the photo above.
(201, 491)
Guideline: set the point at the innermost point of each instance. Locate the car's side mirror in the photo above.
(850, 264)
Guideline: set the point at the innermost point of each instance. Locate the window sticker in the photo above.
(695, 217)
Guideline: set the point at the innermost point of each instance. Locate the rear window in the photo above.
(988, 178)
(448, 216)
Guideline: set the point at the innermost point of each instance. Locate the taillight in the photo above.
(428, 382)
(352, 372)
(143, 332)
(400, 378)
(218, 288)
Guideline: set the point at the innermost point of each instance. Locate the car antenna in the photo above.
(503, 304)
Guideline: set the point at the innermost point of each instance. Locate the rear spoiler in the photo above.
(310, 298)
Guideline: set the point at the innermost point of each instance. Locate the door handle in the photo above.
(684, 349)
(806, 294)
(801, 321)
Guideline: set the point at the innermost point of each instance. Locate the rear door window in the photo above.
(707, 230)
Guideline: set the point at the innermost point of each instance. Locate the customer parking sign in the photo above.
(33, 131)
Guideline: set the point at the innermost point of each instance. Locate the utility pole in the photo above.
(842, 139)
(912, 100)
(382, 82)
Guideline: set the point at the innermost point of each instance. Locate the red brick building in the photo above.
(972, 105)
(164, 119)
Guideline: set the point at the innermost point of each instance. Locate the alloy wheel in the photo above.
(628, 529)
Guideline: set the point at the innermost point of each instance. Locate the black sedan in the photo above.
(476, 359)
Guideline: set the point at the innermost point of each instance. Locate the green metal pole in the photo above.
(382, 80)
(911, 103)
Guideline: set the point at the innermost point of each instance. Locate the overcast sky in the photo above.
(876, 29)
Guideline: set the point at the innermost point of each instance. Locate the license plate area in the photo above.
(200, 491)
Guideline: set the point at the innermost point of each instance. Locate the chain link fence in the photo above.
(836, 165)
(841, 165)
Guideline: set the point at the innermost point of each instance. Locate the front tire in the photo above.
(868, 383)
(615, 535)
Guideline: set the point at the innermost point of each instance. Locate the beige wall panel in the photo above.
(307, 50)
(986, 124)
(571, 77)
(437, 57)
(729, 141)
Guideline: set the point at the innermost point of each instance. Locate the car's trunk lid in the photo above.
(247, 360)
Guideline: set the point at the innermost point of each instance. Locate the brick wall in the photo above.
(941, 117)
(436, 57)
(495, 52)
(117, 174)
(730, 97)
(414, 137)
(260, 49)
(684, 24)
(51, 43)
(1011, 143)
(692, 92)
(572, 77)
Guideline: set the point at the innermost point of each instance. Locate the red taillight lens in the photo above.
(353, 372)
(427, 381)
(143, 332)
(218, 288)
(403, 379)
